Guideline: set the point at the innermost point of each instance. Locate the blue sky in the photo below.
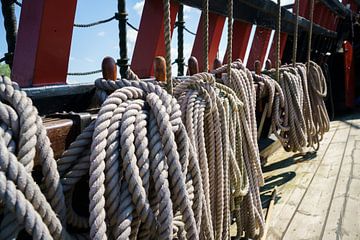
(90, 45)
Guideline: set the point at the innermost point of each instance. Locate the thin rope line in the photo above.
(296, 32)
(84, 73)
(86, 25)
(310, 31)
(230, 33)
(278, 43)
(132, 26)
(167, 36)
(206, 35)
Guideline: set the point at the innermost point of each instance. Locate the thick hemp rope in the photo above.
(304, 119)
(251, 219)
(22, 125)
(175, 201)
(211, 117)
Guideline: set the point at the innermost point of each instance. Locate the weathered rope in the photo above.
(229, 36)
(278, 41)
(296, 32)
(122, 108)
(206, 35)
(211, 114)
(317, 93)
(248, 209)
(311, 18)
(29, 134)
(303, 118)
(167, 37)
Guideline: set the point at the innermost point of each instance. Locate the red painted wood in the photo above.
(241, 36)
(304, 8)
(327, 19)
(150, 39)
(43, 42)
(216, 25)
(319, 11)
(259, 46)
(272, 53)
(349, 75)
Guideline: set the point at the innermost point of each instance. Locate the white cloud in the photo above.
(138, 7)
(131, 39)
(101, 34)
(131, 35)
(90, 60)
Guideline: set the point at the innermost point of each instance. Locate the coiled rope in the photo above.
(251, 219)
(24, 137)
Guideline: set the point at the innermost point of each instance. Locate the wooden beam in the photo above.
(259, 46)
(43, 42)
(216, 25)
(150, 39)
(241, 36)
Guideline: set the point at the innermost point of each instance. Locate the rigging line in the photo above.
(95, 23)
(192, 33)
(84, 73)
(132, 26)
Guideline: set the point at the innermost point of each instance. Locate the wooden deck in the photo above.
(319, 194)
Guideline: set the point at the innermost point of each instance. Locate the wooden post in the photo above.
(160, 69)
(193, 66)
(109, 69)
(217, 64)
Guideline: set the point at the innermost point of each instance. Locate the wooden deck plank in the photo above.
(334, 219)
(311, 214)
(293, 191)
(344, 215)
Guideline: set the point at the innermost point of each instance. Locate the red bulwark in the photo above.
(319, 11)
(241, 36)
(43, 42)
(272, 54)
(304, 8)
(259, 46)
(150, 39)
(216, 25)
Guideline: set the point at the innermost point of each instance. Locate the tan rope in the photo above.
(296, 32)
(230, 36)
(311, 18)
(206, 34)
(167, 37)
(278, 41)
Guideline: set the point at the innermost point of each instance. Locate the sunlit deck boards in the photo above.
(319, 195)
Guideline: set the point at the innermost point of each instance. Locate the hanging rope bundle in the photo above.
(241, 81)
(317, 93)
(211, 117)
(275, 101)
